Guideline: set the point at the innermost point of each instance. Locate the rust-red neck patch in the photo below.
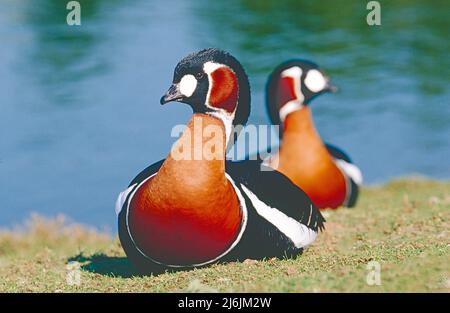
(286, 91)
(224, 89)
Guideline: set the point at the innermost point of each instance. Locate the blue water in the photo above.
(80, 113)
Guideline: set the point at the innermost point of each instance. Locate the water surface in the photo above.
(80, 113)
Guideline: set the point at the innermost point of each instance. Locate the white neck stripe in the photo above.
(210, 67)
(225, 117)
(227, 121)
(295, 73)
(290, 107)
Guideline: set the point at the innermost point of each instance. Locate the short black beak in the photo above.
(173, 94)
(331, 88)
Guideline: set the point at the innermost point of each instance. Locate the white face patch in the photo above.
(187, 85)
(315, 81)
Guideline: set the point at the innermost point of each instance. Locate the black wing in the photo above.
(353, 191)
(277, 191)
(337, 153)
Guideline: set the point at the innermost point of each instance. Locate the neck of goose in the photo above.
(189, 211)
(199, 150)
(300, 134)
(300, 121)
(300, 143)
(304, 158)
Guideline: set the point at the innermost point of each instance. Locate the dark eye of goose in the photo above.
(199, 75)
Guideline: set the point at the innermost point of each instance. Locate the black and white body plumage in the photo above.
(277, 218)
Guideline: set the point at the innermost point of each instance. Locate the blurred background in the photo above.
(79, 105)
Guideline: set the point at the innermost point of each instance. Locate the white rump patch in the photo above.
(315, 81)
(122, 197)
(351, 171)
(299, 234)
(187, 85)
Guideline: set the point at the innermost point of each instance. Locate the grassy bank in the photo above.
(403, 225)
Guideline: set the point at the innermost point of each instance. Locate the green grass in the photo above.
(403, 225)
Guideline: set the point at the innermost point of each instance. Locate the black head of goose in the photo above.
(322, 170)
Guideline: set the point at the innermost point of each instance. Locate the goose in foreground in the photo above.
(323, 171)
(195, 208)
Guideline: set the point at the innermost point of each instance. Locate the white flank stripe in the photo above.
(351, 171)
(122, 197)
(299, 234)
